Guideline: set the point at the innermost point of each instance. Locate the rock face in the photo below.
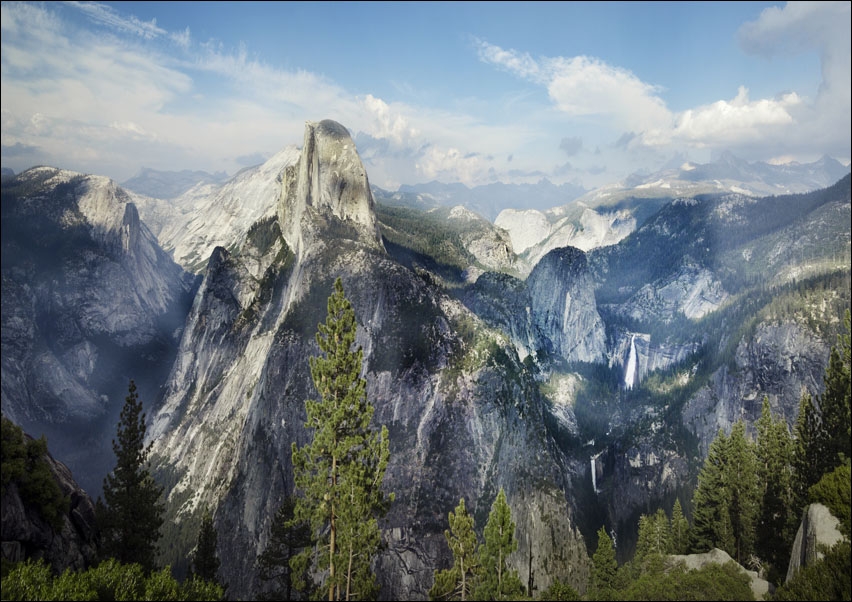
(329, 183)
(464, 418)
(27, 535)
(552, 314)
(563, 306)
(759, 587)
(819, 527)
(780, 360)
(692, 292)
(88, 297)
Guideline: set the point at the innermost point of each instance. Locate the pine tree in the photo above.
(131, 513)
(604, 567)
(654, 536)
(205, 563)
(711, 522)
(824, 426)
(679, 542)
(496, 582)
(741, 480)
(778, 516)
(340, 472)
(457, 582)
(285, 542)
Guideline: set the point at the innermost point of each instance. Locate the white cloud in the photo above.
(109, 17)
(446, 163)
(386, 124)
(738, 120)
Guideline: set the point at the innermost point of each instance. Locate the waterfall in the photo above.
(630, 373)
(594, 475)
(594, 462)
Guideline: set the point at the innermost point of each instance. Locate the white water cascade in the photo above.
(630, 373)
(594, 461)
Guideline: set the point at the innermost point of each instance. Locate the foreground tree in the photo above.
(824, 426)
(458, 581)
(205, 562)
(711, 522)
(285, 542)
(604, 568)
(777, 522)
(496, 581)
(340, 472)
(679, 532)
(131, 513)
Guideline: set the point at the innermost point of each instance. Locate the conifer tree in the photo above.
(496, 582)
(340, 472)
(741, 480)
(778, 517)
(654, 535)
(711, 522)
(679, 541)
(824, 426)
(457, 582)
(604, 567)
(205, 562)
(286, 540)
(131, 513)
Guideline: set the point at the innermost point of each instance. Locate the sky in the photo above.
(481, 92)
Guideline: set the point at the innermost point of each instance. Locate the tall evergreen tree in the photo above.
(340, 472)
(496, 581)
(457, 582)
(131, 513)
(824, 426)
(679, 541)
(654, 536)
(604, 567)
(778, 516)
(286, 540)
(741, 480)
(205, 562)
(711, 522)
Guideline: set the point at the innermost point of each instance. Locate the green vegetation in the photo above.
(25, 465)
(340, 472)
(131, 513)
(205, 562)
(286, 540)
(458, 582)
(111, 580)
(496, 581)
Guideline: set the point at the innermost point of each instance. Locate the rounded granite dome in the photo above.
(332, 129)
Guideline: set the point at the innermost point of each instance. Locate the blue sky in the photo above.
(575, 92)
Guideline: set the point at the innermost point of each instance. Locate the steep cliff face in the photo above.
(563, 306)
(464, 419)
(328, 186)
(89, 301)
(780, 361)
(72, 544)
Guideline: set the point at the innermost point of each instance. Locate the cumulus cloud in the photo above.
(439, 163)
(387, 124)
(586, 86)
(737, 120)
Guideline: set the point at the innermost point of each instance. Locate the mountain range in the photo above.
(580, 358)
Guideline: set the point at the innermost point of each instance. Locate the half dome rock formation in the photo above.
(327, 188)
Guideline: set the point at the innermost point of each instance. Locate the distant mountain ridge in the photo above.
(161, 184)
